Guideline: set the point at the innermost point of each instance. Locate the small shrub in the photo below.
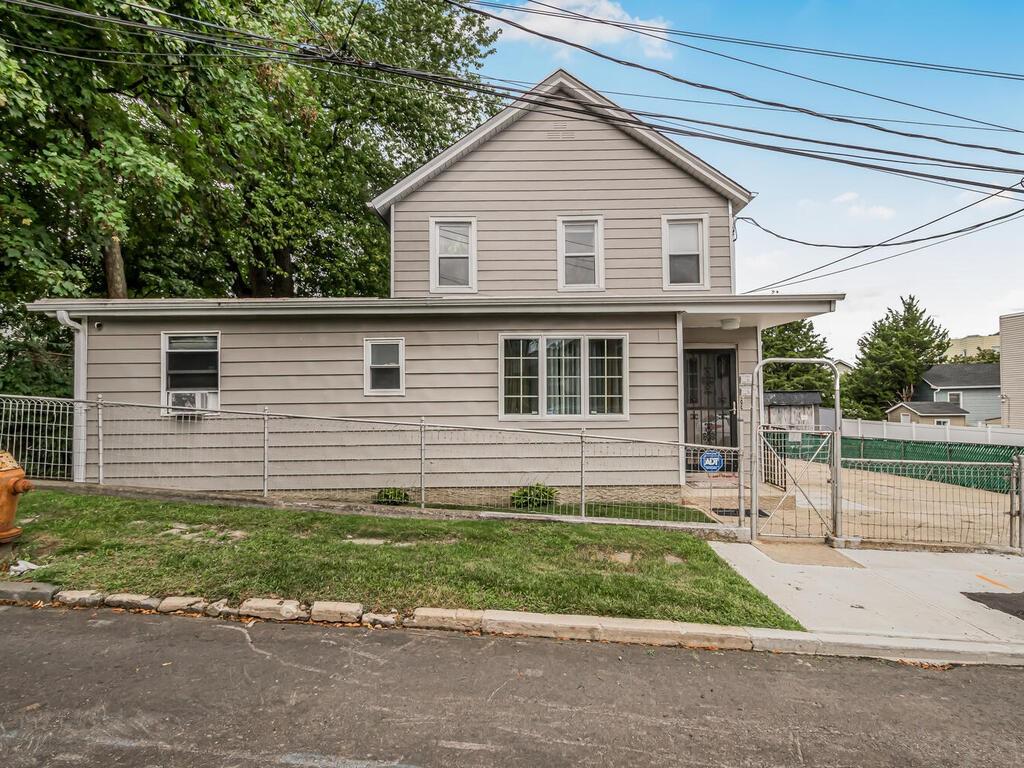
(536, 495)
(393, 497)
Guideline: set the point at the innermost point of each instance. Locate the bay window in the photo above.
(564, 376)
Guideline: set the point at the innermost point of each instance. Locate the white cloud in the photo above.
(846, 197)
(877, 212)
(1002, 200)
(862, 210)
(586, 33)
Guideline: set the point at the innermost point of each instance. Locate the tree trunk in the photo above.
(113, 266)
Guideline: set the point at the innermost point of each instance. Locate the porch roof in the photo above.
(703, 310)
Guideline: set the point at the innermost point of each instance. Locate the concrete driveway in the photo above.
(896, 594)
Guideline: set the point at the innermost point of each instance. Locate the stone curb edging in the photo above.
(653, 632)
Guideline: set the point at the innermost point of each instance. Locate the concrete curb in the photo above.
(607, 629)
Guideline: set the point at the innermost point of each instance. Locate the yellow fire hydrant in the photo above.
(12, 484)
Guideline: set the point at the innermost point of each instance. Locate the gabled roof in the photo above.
(966, 375)
(793, 397)
(560, 80)
(930, 408)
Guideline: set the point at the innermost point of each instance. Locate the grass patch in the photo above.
(117, 544)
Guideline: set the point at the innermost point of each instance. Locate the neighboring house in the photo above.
(971, 386)
(547, 271)
(941, 414)
(843, 366)
(1011, 369)
(967, 346)
(801, 408)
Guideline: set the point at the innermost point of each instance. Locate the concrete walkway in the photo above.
(891, 594)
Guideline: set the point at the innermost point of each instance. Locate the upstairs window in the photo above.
(684, 252)
(384, 366)
(191, 371)
(955, 398)
(453, 255)
(580, 253)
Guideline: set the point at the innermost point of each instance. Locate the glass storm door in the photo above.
(711, 397)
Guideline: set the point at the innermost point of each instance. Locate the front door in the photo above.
(711, 397)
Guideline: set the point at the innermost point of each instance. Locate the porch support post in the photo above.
(680, 401)
(80, 409)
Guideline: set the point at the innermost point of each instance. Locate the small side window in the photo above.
(384, 366)
(191, 372)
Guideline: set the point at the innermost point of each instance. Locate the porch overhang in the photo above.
(699, 311)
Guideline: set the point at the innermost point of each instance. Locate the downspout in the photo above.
(81, 361)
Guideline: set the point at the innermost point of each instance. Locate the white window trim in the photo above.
(435, 286)
(542, 337)
(959, 394)
(367, 343)
(598, 253)
(705, 254)
(165, 410)
(906, 418)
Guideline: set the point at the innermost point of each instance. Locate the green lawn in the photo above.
(116, 544)
(662, 512)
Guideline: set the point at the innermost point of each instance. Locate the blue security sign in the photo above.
(712, 461)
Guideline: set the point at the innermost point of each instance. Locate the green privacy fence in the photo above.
(858, 453)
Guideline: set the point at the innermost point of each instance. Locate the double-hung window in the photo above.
(191, 371)
(684, 252)
(580, 253)
(560, 376)
(453, 255)
(383, 366)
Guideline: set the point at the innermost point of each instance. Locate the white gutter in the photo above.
(81, 332)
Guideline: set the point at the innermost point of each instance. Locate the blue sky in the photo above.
(966, 284)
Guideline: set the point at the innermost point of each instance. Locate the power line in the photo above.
(887, 240)
(892, 61)
(568, 14)
(719, 89)
(306, 53)
(1016, 216)
(893, 244)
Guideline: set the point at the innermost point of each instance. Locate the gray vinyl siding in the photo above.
(314, 367)
(519, 182)
(1011, 369)
(980, 404)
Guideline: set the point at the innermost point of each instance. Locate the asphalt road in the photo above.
(102, 688)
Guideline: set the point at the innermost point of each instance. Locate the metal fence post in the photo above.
(1020, 501)
(755, 452)
(740, 512)
(99, 439)
(583, 472)
(266, 451)
(423, 462)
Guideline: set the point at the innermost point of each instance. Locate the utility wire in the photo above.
(1016, 216)
(892, 244)
(979, 201)
(568, 14)
(719, 89)
(892, 61)
(306, 53)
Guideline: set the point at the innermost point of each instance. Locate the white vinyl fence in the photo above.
(886, 430)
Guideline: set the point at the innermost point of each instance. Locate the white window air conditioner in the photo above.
(191, 403)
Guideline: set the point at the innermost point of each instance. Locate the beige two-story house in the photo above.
(550, 270)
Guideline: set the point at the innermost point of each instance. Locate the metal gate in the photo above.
(800, 467)
(797, 472)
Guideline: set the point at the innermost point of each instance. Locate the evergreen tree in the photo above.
(981, 356)
(891, 358)
(796, 339)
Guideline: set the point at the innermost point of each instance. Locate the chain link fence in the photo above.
(397, 463)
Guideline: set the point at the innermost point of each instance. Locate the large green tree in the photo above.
(137, 164)
(891, 358)
(797, 339)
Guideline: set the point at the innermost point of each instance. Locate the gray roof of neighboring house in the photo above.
(798, 397)
(953, 375)
(930, 408)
